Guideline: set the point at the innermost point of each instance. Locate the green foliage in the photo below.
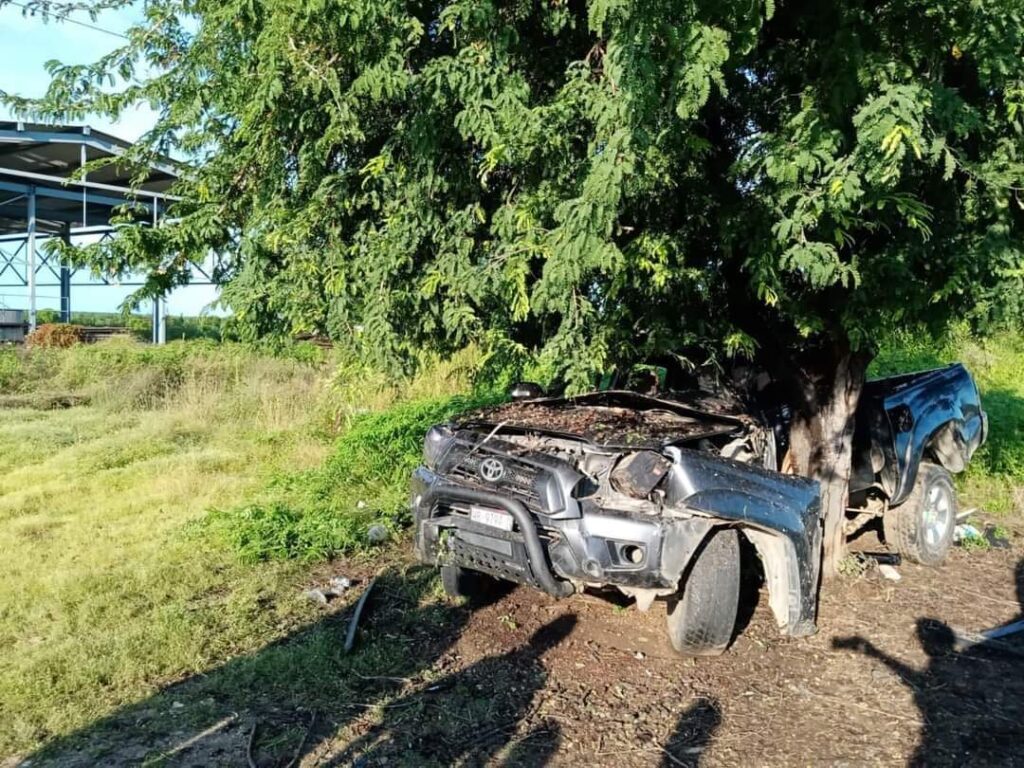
(9, 368)
(593, 182)
(327, 511)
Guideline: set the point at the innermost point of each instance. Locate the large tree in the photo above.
(592, 182)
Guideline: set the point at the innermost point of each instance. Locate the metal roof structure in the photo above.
(40, 199)
(44, 158)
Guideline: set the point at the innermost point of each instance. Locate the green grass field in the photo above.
(104, 594)
(161, 527)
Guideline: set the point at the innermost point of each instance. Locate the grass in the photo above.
(329, 511)
(103, 598)
(112, 587)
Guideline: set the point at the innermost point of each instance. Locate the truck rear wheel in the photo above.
(921, 528)
(702, 617)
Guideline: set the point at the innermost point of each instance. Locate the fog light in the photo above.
(632, 553)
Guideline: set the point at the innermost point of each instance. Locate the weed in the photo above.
(973, 543)
(852, 566)
(999, 532)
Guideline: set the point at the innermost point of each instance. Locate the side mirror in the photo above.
(526, 390)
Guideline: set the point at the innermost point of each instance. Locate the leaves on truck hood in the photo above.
(620, 418)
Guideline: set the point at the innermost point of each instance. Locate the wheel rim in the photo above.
(938, 515)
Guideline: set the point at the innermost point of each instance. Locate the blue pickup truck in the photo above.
(650, 495)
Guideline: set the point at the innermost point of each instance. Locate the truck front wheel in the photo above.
(921, 528)
(702, 617)
(471, 586)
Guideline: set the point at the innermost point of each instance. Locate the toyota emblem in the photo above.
(491, 470)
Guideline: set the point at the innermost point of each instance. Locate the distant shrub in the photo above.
(10, 368)
(54, 336)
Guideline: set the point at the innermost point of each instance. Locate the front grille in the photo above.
(520, 481)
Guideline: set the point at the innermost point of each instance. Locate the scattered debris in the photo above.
(991, 638)
(1007, 629)
(350, 637)
(883, 558)
(888, 572)
(964, 532)
(996, 537)
(965, 514)
(340, 583)
(316, 595)
(377, 534)
(336, 587)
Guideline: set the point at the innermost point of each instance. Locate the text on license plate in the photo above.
(491, 517)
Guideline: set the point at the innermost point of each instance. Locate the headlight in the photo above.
(435, 444)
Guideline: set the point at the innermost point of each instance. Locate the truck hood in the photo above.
(619, 419)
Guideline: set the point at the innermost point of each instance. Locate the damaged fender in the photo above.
(779, 514)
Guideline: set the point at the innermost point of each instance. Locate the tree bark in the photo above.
(821, 439)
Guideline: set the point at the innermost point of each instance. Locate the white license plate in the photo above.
(491, 517)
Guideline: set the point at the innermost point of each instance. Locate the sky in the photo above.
(26, 44)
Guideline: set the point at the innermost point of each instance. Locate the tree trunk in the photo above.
(821, 439)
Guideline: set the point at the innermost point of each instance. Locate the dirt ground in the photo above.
(583, 683)
(527, 680)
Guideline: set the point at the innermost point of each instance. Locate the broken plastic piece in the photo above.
(965, 531)
(316, 595)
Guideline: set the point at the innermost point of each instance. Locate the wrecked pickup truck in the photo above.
(650, 495)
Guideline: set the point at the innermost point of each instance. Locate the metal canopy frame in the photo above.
(40, 199)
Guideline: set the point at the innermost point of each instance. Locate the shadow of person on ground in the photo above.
(971, 702)
(470, 716)
(207, 719)
(692, 734)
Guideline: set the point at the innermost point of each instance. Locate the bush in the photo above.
(327, 511)
(54, 336)
(10, 368)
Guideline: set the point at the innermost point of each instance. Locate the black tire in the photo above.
(701, 619)
(921, 528)
(463, 583)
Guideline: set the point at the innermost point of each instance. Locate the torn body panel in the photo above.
(901, 420)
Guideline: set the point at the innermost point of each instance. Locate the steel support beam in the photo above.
(65, 181)
(84, 138)
(67, 194)
(65, 282)
(159, 320)
(31, 259)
